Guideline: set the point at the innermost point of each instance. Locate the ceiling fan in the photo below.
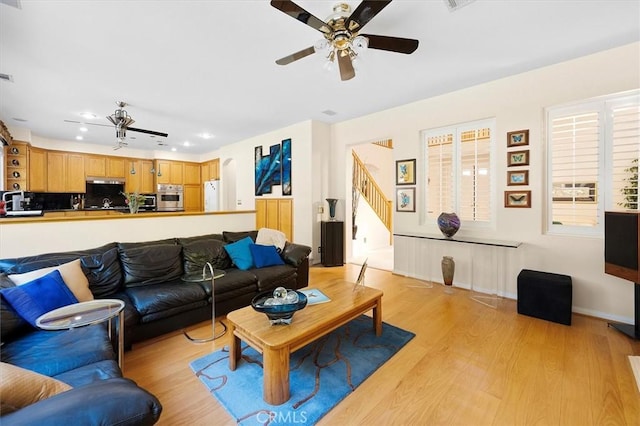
(123, 121)
(342, 39)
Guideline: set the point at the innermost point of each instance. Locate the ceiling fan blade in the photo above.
(346, 67)
(365, 12)
(298, 13)
(89, 124)
(295, 56)
(149, 132)
(392, 44)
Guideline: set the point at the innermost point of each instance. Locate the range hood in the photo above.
(105, 180)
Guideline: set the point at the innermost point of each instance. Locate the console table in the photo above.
(417, 249)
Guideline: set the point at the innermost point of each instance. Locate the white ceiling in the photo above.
(187, 67)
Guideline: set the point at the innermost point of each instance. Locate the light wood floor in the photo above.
(468, 365)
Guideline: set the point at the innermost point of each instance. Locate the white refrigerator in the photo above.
(212, 196)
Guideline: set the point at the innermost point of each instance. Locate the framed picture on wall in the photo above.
(518, 138)
(518, 177)
(405, 199)
(518, 158)
(517, 199)
(406, 172)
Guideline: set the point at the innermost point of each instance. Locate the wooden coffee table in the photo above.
(277, 342)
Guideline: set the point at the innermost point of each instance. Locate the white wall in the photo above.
(517, 102)
(301, 174)
(25, 239)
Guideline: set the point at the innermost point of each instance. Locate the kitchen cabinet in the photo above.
(193, 198)
(116, 167)
(275, 213)
(65, 172)
(56, 171)
(332, 243)
(104, 166)
(192, 174)
(16, 167)
(142, 180)
(169, 172)
(75, 173)
(37, 177)
(96, 165)
(210, 170)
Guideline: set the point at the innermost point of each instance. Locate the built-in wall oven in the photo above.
(170, 198)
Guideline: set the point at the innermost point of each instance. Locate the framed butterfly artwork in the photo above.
(517, 199)
(405, 199)
(518, 138)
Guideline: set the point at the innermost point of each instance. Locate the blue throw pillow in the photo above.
(265, 255)
(39, 296)
(240, 253)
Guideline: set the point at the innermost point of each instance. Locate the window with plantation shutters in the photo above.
(458, 171)
(593, 151)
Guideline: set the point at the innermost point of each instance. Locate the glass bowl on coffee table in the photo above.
(279, 305)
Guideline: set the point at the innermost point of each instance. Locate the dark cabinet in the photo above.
(332, 243)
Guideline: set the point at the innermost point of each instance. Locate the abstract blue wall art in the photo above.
(273, 169)
(262, 167)
(275, 165)
(286, 167)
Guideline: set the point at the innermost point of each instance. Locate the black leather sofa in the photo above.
(147, 277)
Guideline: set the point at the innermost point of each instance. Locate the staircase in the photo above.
(367, 187)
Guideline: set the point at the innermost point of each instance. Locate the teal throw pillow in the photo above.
(264, 256)
(240, 253)
(39, 296)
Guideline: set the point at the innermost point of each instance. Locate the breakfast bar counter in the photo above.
(103, 214)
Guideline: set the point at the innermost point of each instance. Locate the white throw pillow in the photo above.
(271, 237)
(71, 273)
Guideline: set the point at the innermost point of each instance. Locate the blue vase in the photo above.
(449, 223)
(332, 208)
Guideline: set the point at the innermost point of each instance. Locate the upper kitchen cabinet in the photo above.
(191, 174)
(210, 170)
(65, 172)
(96, 165)
(104, 166)
(169, 172)
(38, 170)
(116, 167)
(142, 180)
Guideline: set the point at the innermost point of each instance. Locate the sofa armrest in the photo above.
(295, 254)
(114, 401)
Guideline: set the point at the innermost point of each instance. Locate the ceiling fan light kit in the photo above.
(342, 41)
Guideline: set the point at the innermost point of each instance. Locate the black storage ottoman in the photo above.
(545, 295)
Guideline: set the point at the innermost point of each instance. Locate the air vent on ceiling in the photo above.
(454, 5)
(12, 3)
(329, 112)
(6, 77)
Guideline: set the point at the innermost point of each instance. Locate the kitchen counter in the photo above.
(99, 214)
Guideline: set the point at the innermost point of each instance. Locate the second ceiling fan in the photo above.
(342, 39)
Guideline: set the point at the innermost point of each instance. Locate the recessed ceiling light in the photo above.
(173, 149)
(83, 129)
(186, 143)
(206, 135)
(79, 138)
(88, 115)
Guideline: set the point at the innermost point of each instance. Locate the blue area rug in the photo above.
(322, 374)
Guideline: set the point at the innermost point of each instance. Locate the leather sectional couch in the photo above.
(147, 277)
